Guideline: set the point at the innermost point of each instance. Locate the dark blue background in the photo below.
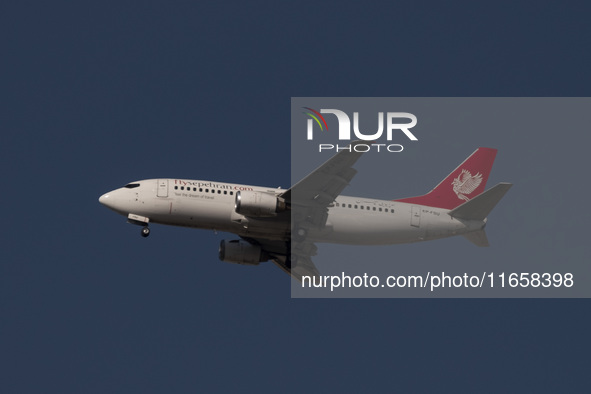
(94, 95)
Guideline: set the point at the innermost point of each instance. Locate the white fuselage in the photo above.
(351, 220)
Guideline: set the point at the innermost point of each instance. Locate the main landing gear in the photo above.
(299, 234)
(145, 231)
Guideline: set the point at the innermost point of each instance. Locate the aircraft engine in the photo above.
(258, 204)
(241, 252)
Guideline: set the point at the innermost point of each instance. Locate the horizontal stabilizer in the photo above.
(480, 206)
(478, 238)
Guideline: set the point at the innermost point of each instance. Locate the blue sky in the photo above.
(95, 95)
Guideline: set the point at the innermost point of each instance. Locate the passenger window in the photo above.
(225, 192)
(374, 208)
(182, 188)
(349, 205)
(380, 209)
(200, 189)
(231, 193)
(206, 190)
(176, 188)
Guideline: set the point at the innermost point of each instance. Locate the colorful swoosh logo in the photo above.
(315, 115)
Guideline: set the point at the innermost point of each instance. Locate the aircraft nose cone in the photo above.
(104, 199)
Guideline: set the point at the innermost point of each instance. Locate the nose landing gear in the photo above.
(140, 221)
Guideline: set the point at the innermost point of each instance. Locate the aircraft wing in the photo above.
(309, 200)
(311, 196)
(305, 267)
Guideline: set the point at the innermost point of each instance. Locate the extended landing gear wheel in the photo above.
(145, 231)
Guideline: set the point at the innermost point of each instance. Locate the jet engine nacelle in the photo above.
(258, 204)
(241, 252)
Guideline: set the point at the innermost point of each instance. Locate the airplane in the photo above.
(284, 226)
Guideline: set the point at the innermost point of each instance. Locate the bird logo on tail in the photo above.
(466, 183)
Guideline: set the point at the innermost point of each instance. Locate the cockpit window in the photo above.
(132, 185)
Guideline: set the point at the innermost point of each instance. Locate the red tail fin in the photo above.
(465, 182)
